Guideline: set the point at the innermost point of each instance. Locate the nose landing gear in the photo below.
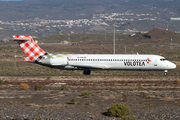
(165, 72)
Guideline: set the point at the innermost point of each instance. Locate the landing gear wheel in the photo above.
(165, 73)
(87, 72)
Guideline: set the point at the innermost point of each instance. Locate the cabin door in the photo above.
(156, 63)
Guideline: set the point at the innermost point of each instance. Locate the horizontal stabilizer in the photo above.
(21, 38)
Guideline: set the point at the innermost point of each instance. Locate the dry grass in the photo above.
(24, 86)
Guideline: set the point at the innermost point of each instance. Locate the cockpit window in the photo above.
(163, 59)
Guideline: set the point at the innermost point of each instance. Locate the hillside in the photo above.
(147, 14)
(155, 35)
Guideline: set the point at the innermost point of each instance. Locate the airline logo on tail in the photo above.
(31, 49)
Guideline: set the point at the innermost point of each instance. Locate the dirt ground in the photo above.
(149, 97)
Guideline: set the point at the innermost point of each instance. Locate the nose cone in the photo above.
(172, 66)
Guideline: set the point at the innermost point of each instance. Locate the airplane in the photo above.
(89, 62)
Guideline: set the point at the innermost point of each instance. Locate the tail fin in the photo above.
(31, 49)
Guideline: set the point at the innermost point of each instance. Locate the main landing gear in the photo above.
(87, 72)
(165, 72)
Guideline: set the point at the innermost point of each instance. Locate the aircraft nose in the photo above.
(172, 66)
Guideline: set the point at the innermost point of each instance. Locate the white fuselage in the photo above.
(109, 62)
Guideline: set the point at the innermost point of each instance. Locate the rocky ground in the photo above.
(149, 97)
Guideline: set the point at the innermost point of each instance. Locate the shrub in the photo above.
(24, 86)
(37, 87)
(1, 81)
(74, 100)
(37, 119)
(86, 93)
(175, 82)
(48, 78)
(119, 110)
(63, 87)
(129, 117)
(92, 117)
